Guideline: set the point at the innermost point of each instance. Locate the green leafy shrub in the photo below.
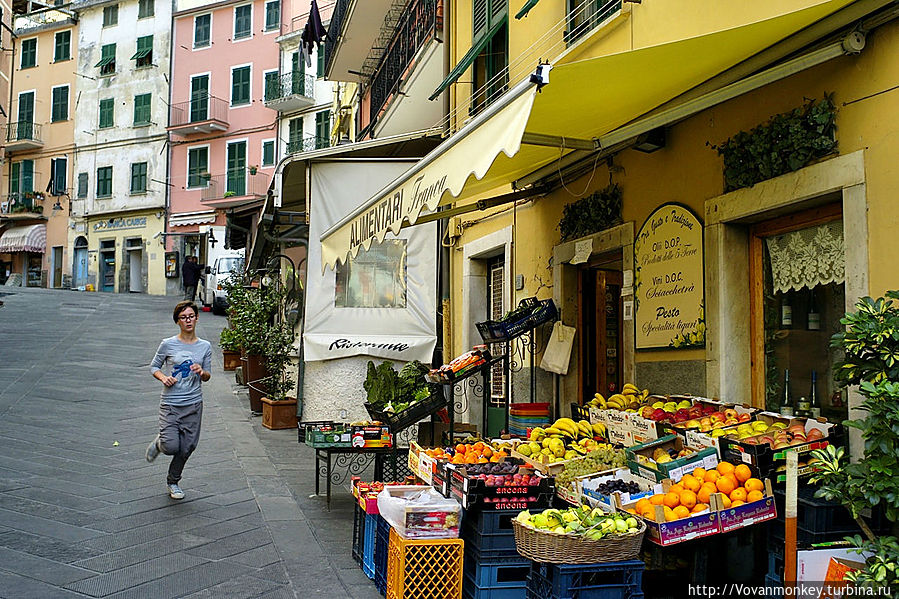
(591, 214)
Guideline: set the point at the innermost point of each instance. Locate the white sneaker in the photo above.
(153, 449)
(175, 491)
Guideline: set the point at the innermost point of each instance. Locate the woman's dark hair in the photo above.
(182, 306)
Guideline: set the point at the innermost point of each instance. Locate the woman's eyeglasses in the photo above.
(187, 317)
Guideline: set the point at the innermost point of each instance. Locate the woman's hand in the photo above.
(168, 381)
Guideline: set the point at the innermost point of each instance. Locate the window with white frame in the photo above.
(202, 31)
(243, 21)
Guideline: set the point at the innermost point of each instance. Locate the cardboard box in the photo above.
(660, 532)
(587, 486)
(730, 519)
(371, 436)
(644, 430)
(640, 462)
(441, 430)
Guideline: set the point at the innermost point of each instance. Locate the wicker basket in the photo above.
(557, 548)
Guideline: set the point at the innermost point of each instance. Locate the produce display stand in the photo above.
(484, 371)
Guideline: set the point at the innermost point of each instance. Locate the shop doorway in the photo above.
(79, 263)
(56, 266)
(33, 275)
(134, 247)
(107, 265)
(600, 326)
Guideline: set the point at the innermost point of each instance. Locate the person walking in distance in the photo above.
(190, 276)
(181, 407)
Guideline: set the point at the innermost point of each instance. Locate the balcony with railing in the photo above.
(587, 15)
(24, 204)
(203, 114)
(235, 187)
(420, 24)
(354, 32)
(307, 144)
(290, 91)
(23, 135)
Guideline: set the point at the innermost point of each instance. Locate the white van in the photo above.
(221, 268)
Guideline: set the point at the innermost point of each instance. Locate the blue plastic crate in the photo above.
(382, 541)
(358, 533)
(487, 571)
(499, 544)
(472, 591)
(606, 580)
(490, 521)
(368, 547)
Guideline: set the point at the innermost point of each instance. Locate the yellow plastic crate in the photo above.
(424, 569)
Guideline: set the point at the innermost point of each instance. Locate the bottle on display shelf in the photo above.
(802, 406)
(786, 312)
(813, 400)
(814, 315)
(786, 406)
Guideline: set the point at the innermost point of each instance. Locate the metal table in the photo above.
(351, 461)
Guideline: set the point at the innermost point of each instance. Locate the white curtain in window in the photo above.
(808, 257)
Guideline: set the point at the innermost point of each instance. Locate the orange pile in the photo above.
(469, 453)
(692, 494)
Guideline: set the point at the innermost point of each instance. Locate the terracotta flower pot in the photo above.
(254, 376)
(231, 359)
(278, 415)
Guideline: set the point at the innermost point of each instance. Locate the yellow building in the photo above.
(37, 169)
(639, 102)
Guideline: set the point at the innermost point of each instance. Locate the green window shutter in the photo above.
(27, 176)
(59, 110)
(526, 9)
(107, 107)
(145, 9)
(498, 11)
(62, 47)
(144, 53)
(104, 181)
(240, 86)
(236, 181)
(139, 177)
(295, 135)
(268, 153)
(468, 59)
(243, 21)
(272, 15)
(110, 15)
(58, 169)
(29, 53)
(320, 61)
(142, 109)
(107, 59)
(201, 31)
(322, 129)
(197, 166)
(15, 178)
(478, 19)
(82, 185)
(271, 86)
(298, 74)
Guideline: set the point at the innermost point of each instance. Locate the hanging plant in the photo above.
(786, 143)
(594, 213)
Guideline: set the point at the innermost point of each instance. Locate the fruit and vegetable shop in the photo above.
(629, 493)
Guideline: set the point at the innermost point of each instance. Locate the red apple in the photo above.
(730, 413)
(647, 411)
(744, 417)
(814, 434)
(708, 409)
(717, 417)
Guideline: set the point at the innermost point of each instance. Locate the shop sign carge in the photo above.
(668, 280)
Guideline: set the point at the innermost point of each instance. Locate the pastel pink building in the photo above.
(223, 138)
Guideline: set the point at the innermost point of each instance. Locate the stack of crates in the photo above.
(368, 545)
(493, 567)
(382, 540)
(605, 580)
(424, 569)
(358, 532)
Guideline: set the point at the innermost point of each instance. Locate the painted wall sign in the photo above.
(136, 222)
(668, 280)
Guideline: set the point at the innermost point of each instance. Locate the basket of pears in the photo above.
(578, 535)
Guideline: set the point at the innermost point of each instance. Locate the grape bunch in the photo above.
(598, 460)
(609, 487)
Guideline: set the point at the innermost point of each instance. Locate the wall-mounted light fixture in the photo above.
(651, 140)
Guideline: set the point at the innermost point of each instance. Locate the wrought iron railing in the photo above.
(420, 23)
(587, 15)
(334, 28)
(295, 83)
(23, 131)
(235, 183)
(197, 110)
(307, 144)
(15, 203)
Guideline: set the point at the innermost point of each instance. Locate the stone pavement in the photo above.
(82, 516)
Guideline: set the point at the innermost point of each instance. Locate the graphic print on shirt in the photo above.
(181, 365)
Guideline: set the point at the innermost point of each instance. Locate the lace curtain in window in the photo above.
(808, 257)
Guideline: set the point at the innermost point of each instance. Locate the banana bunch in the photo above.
(564, 440)
(630, 399)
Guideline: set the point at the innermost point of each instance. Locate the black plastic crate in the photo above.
(816, 514)
(579, 412)
(499, 544)
(805, 538)
(606, 580)
(487, 571)
(541, 311)
(473, 591)
(490, 522)
(358, 533)
(398, 421)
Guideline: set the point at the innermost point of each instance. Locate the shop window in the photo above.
(375, 278)
(798, 299)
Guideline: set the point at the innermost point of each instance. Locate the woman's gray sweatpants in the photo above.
(179, 432)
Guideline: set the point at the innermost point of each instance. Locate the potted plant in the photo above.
(871, 360)
(250, 311)
(228, 194)
(229, 341)
(253, 169)
(278, 410)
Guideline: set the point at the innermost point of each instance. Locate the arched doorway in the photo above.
(79, 265)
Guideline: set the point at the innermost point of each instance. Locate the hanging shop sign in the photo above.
(668, 280)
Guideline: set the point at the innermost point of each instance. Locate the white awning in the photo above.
(192, 218)
(31, 238)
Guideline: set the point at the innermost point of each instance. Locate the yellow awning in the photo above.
(584, 100)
